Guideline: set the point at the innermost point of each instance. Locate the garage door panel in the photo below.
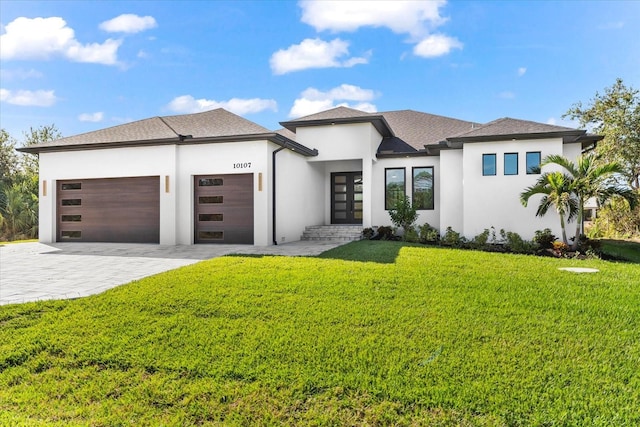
(109, 210)
(223, 208)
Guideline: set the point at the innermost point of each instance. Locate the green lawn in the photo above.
(372, 333)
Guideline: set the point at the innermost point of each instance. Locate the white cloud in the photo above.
(522, 71)
(561, 122)
(91, 117)
(129, 23)
(313, 53)
(313, 100)
(43, 38)
(28, 98)
(403, 17)
(436, 45)
(417, 19)
(188, 104)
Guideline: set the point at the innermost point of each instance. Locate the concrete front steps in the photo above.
(332, 233)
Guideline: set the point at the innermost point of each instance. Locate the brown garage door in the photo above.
(224, 208)
(125, 210)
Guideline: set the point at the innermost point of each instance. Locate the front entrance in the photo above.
(346, 198)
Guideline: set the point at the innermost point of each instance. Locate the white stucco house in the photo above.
(215, 177)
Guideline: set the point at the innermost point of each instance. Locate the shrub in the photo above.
(516, 244)
(385, 233)
(411, 235)
(452, 238)
(368, 233)
(428, 234)
(403, 213)
(560, 248)
(544, 238)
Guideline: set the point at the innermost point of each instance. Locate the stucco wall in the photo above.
(494, 200)
(380, 216)
(300, 199)
(340, 142)
(179, 164)
(451, 189)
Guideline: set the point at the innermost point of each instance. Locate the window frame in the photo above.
(387, 205)
(413, 188)
(495, 164)
(530, 170)
(504, 159)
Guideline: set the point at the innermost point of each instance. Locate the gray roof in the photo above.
(419, 129)
(509, 126)
(209, 124)
(334, 113)
(403, 131)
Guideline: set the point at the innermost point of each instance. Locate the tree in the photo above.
(615, 114)
(19, 183)
(403, 213)
(557, 192)
(590, 177)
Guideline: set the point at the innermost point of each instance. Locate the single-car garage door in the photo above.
(125, 210)
(224, 208)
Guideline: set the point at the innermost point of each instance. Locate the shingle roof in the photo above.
(209, 124)
(334, 113)
(509, 126)
(419, 129)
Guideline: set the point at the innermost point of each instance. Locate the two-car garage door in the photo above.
(127, 210)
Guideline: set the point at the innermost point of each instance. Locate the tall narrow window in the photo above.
(511, 163)
(533, 162)
(422, 197)
(394, 187)
(488, 164)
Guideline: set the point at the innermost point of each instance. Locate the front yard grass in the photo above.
(371, 333)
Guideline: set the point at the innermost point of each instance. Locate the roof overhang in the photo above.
(567, 137)
(179, 140)
(377, 121)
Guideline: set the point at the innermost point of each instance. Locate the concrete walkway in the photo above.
(37, 271)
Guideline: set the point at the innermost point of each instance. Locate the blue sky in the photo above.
(86, 65)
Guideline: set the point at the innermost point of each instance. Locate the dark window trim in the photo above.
(495, 164)
(534, 172)
(433, 187)
(504, 160)
(404, 183)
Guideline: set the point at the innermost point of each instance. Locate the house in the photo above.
(215, 177)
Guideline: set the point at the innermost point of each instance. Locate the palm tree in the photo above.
(556, 189)
(592, 178)
(584, 179)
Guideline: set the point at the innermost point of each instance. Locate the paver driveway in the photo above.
(37, 271)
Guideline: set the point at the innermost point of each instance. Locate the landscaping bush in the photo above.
(385, 233)
(544, 238)
(428, 234)
(516, 244)
(403, 213)
(452, 238)
(411, 235)
(368, 233)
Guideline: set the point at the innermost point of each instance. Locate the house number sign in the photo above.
(245, 165)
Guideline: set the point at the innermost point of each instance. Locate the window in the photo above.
(211, 235)
(211, 199)
(394, 188)
(488, 164)
(71, 218)
(210, 217)
(533, 162)
(208, 182)
(511, 163)
(71, 202)
(73, 186)
(422, 196)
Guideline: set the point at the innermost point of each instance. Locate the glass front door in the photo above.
(346, 198)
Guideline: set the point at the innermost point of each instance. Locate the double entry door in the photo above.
(346, 198)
